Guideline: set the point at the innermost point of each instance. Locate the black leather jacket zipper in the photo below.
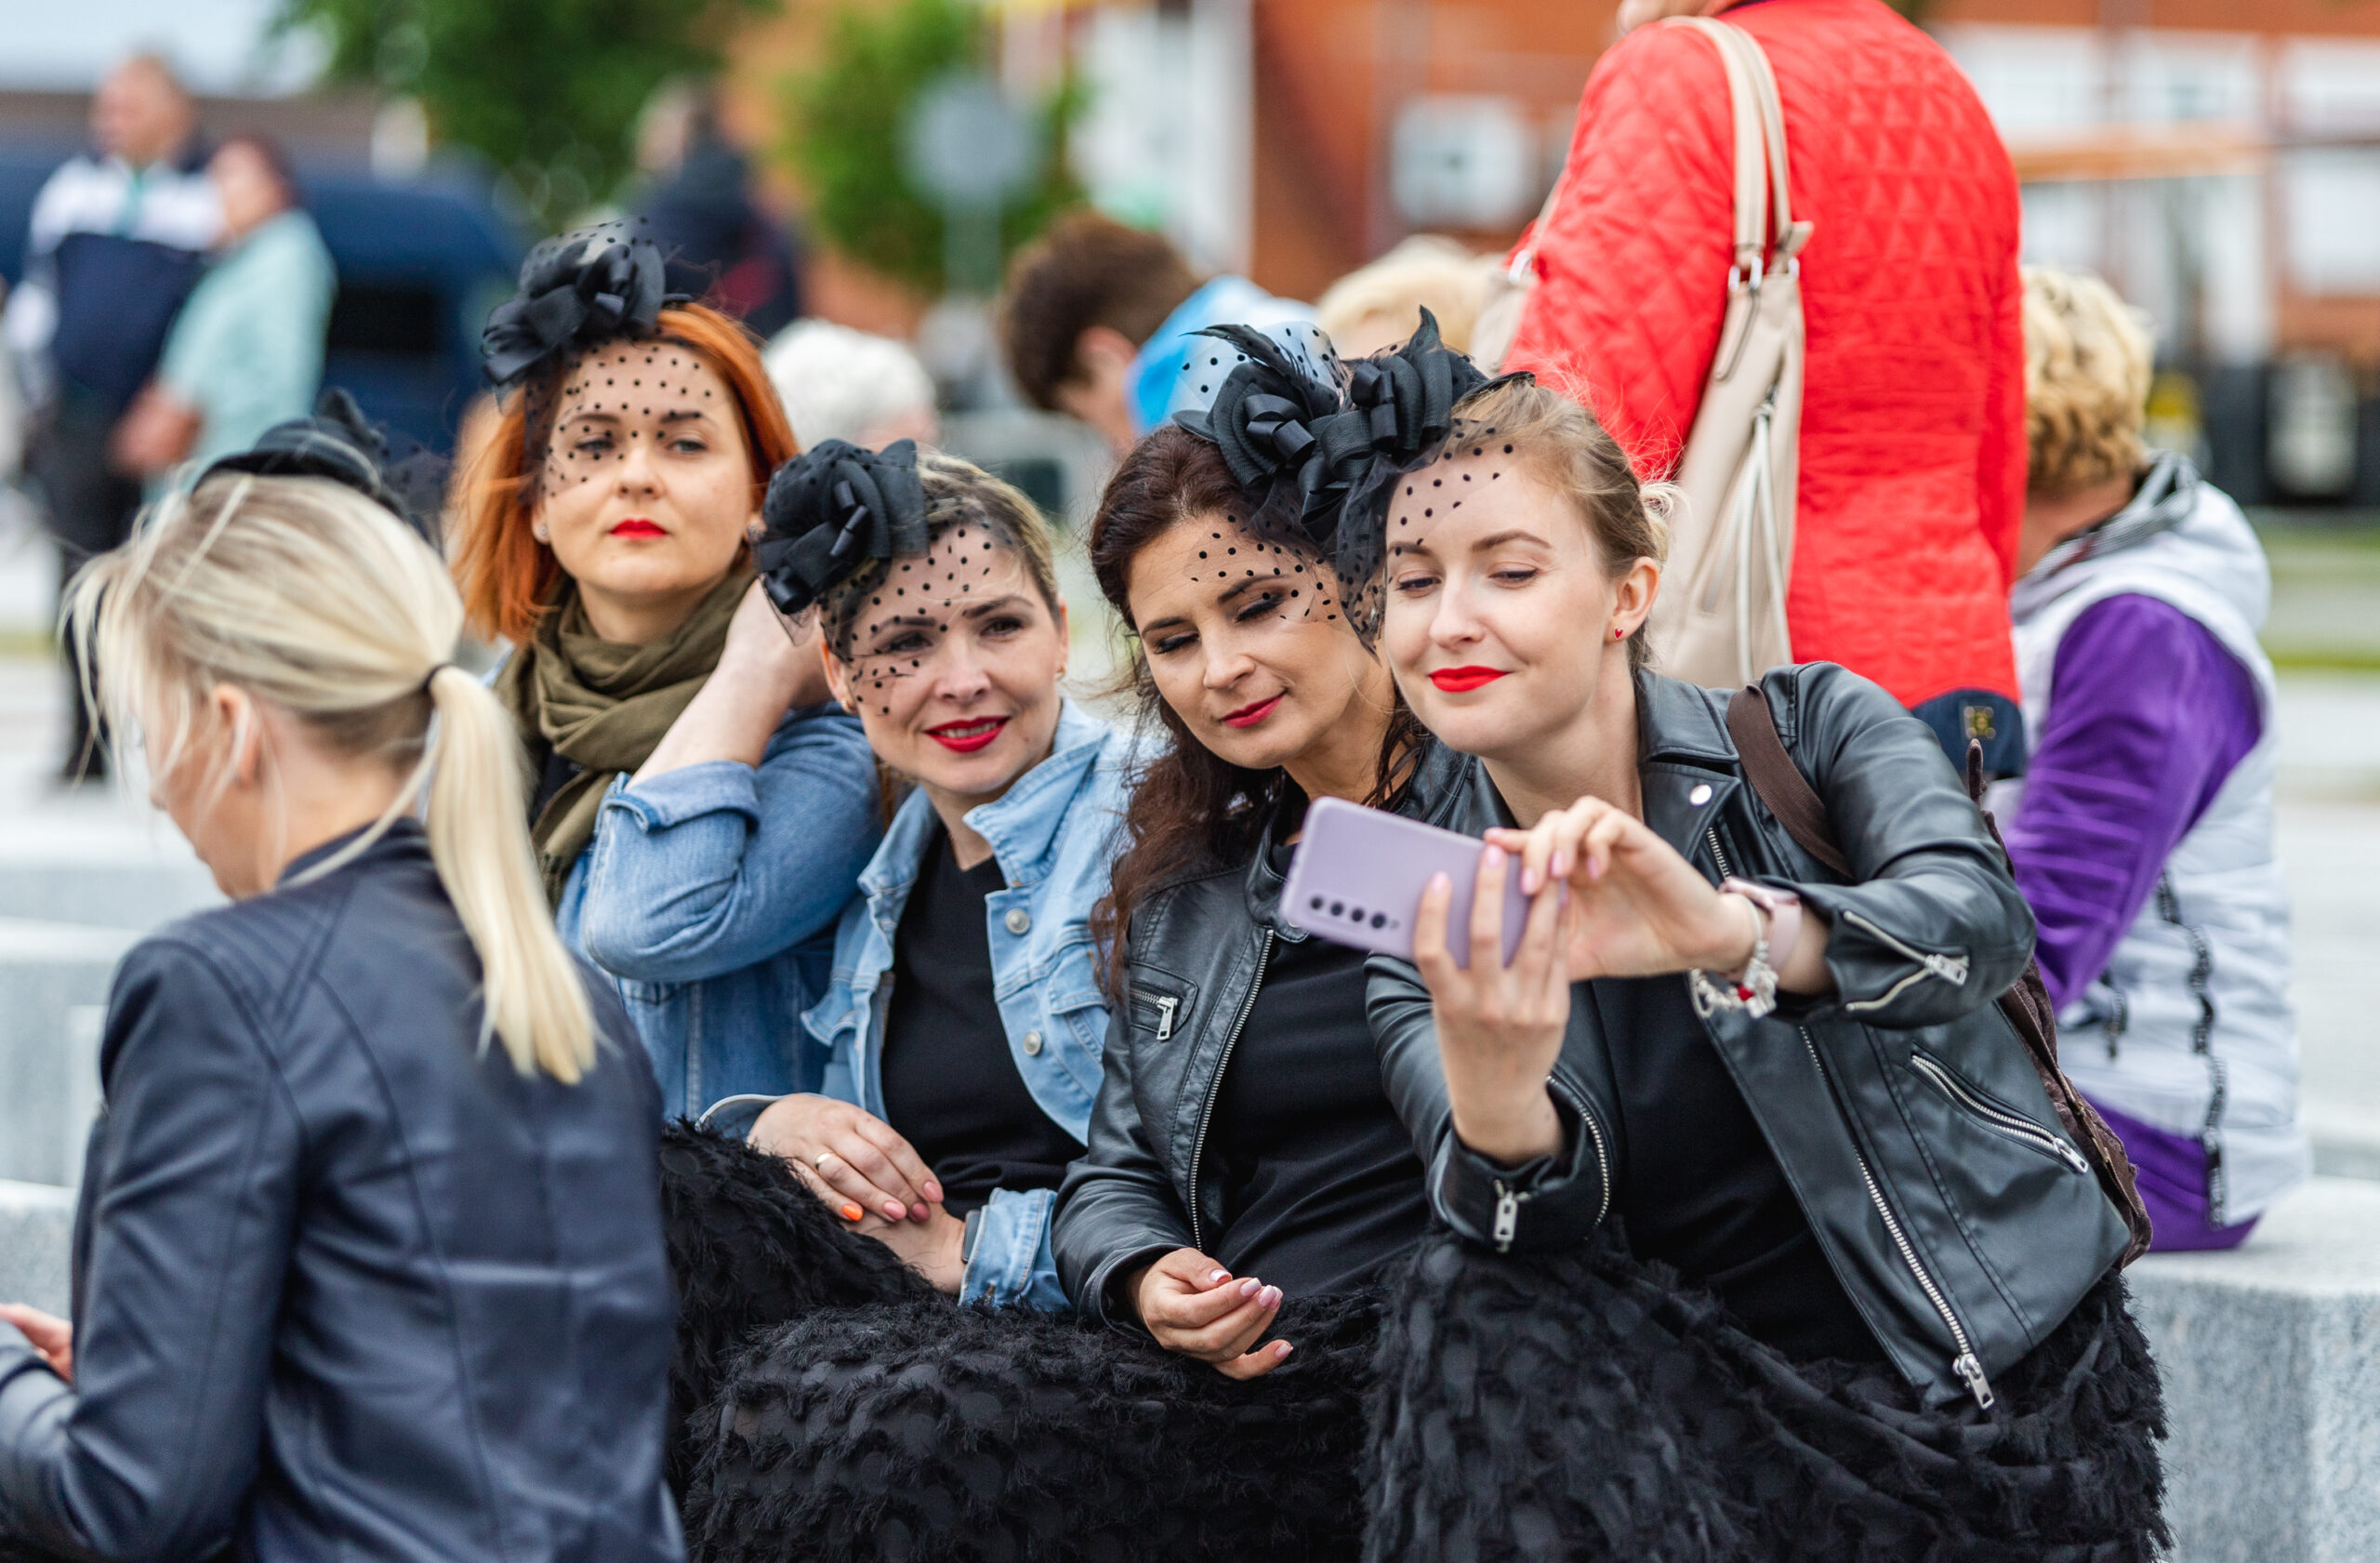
(1966, 1365)
(1996, 1118)
(1215, 1086)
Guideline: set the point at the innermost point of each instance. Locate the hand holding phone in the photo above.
(1358, 875)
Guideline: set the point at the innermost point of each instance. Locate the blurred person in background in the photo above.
(601, 531)
(2143, 832)
(1096, 319)
(116, 241)
(370, 1232)
(1380, 305)
(697, 207)
(246, 350)
(1913, 426)
(841, 384)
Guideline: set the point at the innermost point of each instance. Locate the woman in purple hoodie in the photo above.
(2143, 833)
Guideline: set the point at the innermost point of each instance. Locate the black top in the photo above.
(951, 1087)
(1320, 1183)
(398, 1279)
(1702, 1190)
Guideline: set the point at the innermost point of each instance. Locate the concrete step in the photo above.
(37, 1233)
(53, 980)
(2271, 1362)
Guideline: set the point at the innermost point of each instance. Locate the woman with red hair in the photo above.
(603, 534)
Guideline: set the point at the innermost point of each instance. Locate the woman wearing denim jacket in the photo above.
(957, 1076)
(602, 532)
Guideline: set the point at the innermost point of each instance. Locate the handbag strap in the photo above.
(1767, 237)
(1779, 782)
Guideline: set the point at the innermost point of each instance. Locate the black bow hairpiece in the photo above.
(1399, 409)
(339, 443)
(1262, 422)
(580, 288)
(833, 509)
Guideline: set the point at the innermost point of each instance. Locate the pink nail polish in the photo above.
(1270, 1297)
(1283, 1349)
(1219, 1278)
(1250, 1287)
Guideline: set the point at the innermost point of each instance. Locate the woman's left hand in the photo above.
(51, 1337)
(1638, 909)
(931, 1247)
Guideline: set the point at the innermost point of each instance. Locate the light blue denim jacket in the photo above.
(710, 894)
(1054, 834)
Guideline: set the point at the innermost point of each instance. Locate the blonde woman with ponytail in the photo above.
(370, 1227)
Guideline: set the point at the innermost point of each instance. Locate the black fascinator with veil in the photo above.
(1318, 443)
(834, 509)
(338, 442)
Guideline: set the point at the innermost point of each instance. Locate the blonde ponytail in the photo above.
(315, 600)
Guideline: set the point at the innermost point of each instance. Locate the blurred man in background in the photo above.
(1096, 317)
(116, 241)
(697, 207)
(246, 352)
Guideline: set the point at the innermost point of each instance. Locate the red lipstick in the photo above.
(637, 526)
(1248, 716)
(966, 737)
(1456, 680)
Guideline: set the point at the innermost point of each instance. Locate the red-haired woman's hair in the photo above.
(506, 575)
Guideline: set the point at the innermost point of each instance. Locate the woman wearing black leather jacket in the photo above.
(1757, 1195)
(370, 1238)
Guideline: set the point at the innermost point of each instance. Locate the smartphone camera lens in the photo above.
(1337, 908)
(1380, 920)
(1316, 903)
(1355, 914)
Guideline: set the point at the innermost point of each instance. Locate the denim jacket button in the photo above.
(1033, 1044)
(1018, 920)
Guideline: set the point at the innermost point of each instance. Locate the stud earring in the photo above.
(538, 530)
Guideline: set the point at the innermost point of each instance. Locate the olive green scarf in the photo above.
(604, 706)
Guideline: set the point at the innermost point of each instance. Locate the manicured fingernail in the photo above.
(1495, 855)
(852, 1211)
(1529, 881)
(1282, 1348)
(933, 1192)
(1219, 1278)
(895, 1210)
(1269, 1298)
(1250, 1287)
(1562, 864)
(919, 1213)
(1439, 882)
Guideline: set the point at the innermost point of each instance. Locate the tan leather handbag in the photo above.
(1720, 617)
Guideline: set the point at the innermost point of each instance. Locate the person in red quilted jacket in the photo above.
(1913, 453)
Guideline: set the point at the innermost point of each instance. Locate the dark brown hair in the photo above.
(1191, 808)
(1088, 269)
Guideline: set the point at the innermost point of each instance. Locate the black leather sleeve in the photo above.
(1554, 1200)
(1117, 1208)
(1934, 928)
(152, 1451)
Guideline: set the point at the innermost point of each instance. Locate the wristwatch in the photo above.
(1753, 988)
(967, 1239)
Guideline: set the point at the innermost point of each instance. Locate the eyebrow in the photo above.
(927, 621)
(1509, 535)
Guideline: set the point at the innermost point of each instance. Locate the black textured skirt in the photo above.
(1482, 1407)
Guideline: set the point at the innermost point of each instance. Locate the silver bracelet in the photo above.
(1753, 990)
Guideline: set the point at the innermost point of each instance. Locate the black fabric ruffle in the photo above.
(1674, 1435)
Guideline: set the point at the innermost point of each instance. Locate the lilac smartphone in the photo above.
(1357, 877)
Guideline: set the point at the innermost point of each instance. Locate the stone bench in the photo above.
(36, 1233)
(53, 980)
(2271, 1362)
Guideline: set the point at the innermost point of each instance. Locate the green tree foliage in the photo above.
(845, 124)
(549, 90)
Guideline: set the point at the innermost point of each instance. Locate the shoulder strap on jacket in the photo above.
(1779, 782)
